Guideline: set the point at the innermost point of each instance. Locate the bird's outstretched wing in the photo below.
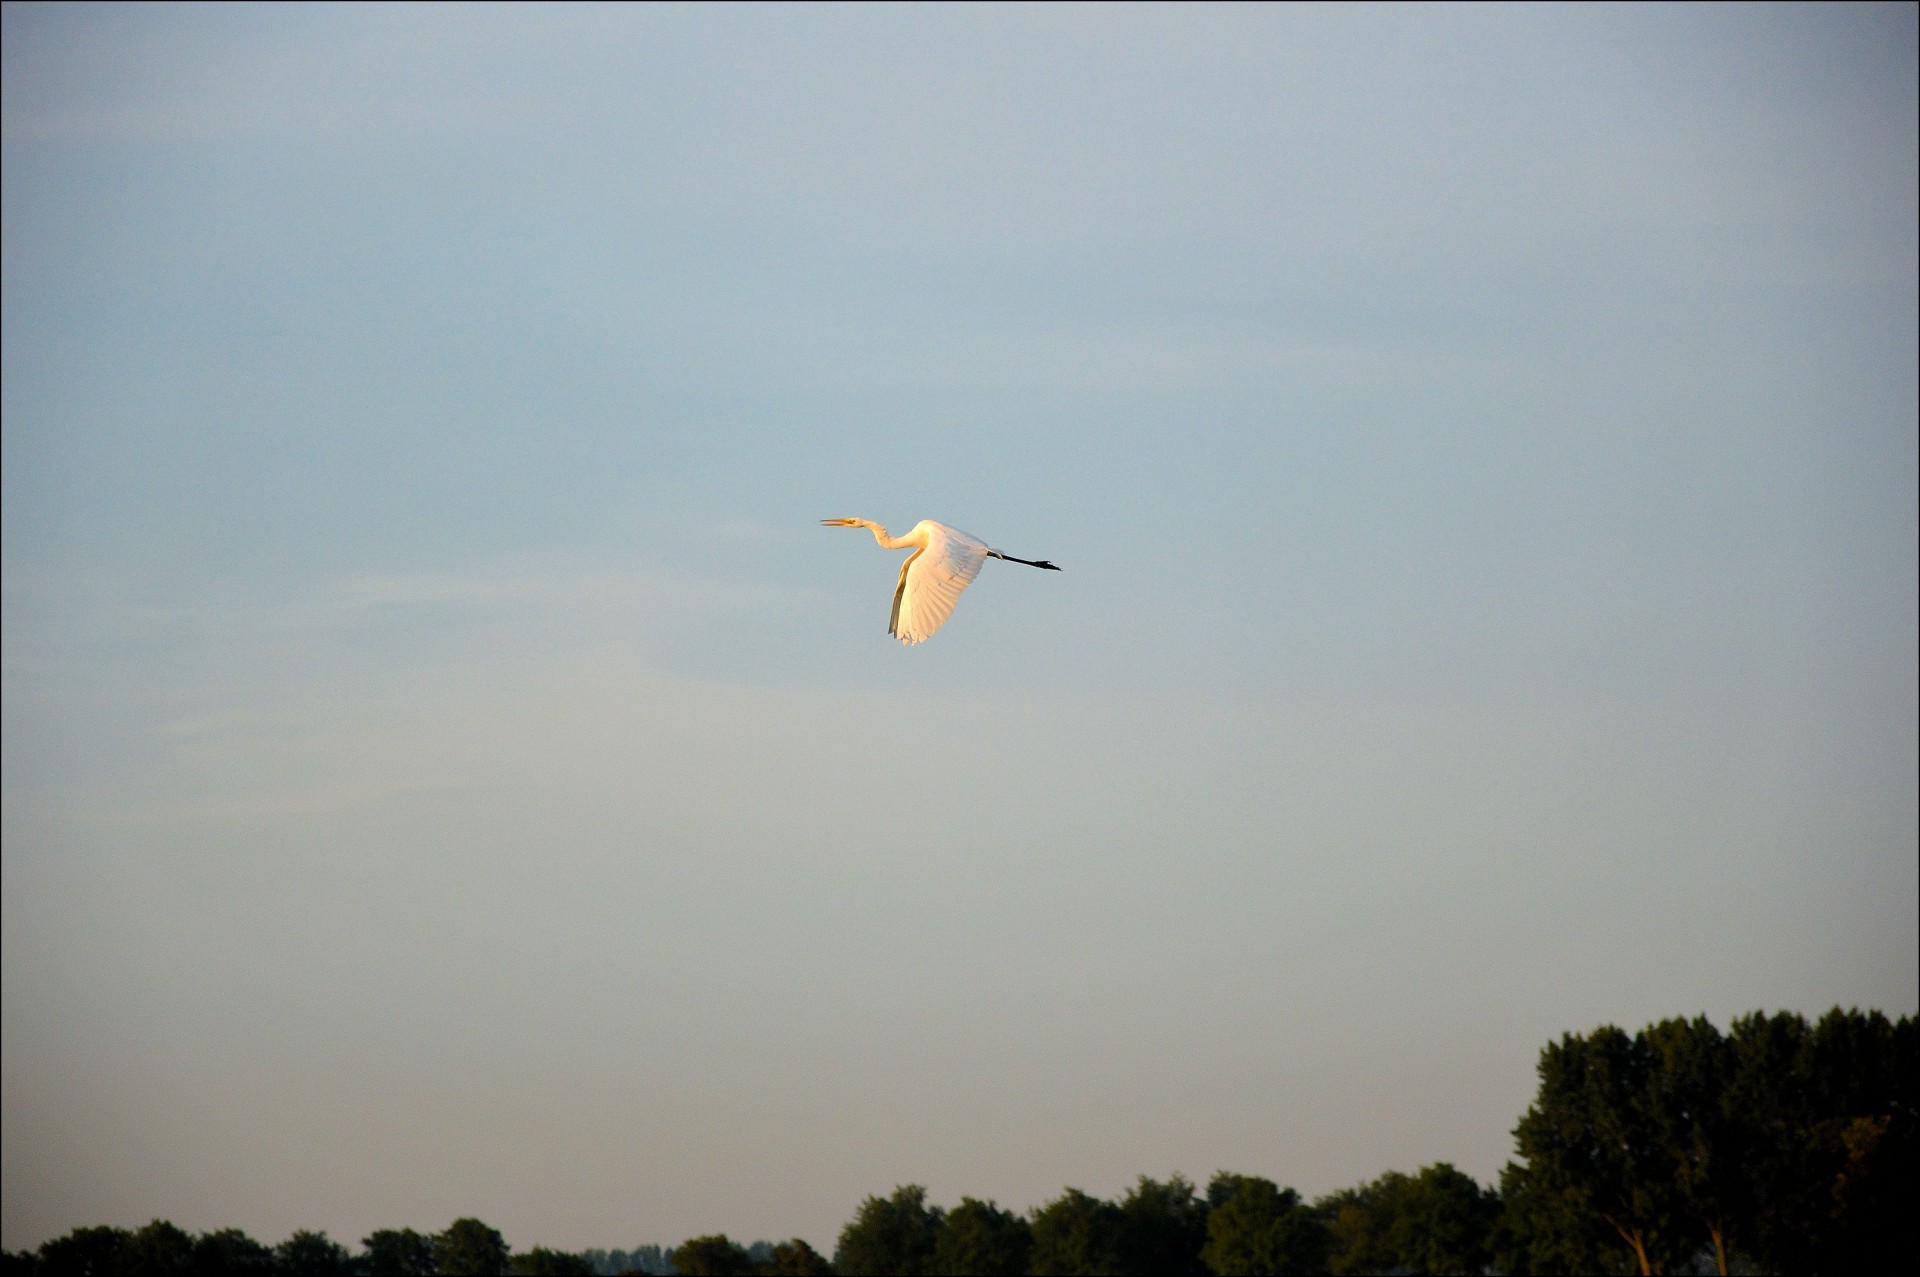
(931, 581)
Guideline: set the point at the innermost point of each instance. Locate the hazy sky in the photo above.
(449, 772)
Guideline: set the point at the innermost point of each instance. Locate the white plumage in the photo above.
(944, 562)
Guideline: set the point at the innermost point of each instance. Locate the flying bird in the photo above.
(944, 562)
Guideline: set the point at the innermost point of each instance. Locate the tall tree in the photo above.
(1438, 1221)
(715, 1255)
(1771, 1087)
(397, 1252)
(1075, 1234)
(641, 1259)
(1696, 1137)
(1868, 1135)
(981, 1240)
(897, 1234)
(468, 1248)
(542, 1262)
(231, 1253)
(1444, 1223)
(1162, 1228)
(157, 1250)
(1255, 1226)
(1541, 1231)
(1784, 1145)
(1829, 1111)
(797, 1259)
(313, 1254)
(1588, 1142)
(84, 1252)
(1360, 1225)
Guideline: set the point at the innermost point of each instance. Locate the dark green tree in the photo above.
(715, 1255)
(231, 1253)
(897, 1234)
(84, 1252)
(1867, 1132)
(19, 1263)
(1162, 1229)
(313, 1254)
(1828, 1115)
(1360, 1223)
(796, 1259)
(1696, 1136)
(1075, 1234)
(1781, 1145)
(541, 1262)
(1589, 1144)
(397, 1252)
(1540, 1231)
(468, 1248)
(1772, 1090)
(981, 1240)
(1257, 1227)
(641, 1259)
(157, 1250)
(1445, 1222)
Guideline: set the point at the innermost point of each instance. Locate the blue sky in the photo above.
(448, 771)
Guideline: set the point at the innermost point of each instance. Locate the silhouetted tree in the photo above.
(715, 1255)
(897, 1234)
(1257, 1227)
(1360, 1224)
(1868, 1132)
(84, 1252)
(1438, 1221)
(796, 1259)
(1694, 1134)
(231, 1253)
(1541, 1231)
(641, 1259)
(313, 1254)
(397, 1252)
(1076, 1234)
(981, 1240)
(1783, 1145)
(1828, 1114)
(1589, 1143)
(541, 1262)
(468, 1248)
(1445, 1222)
(1162, 1229)
(157, 1250)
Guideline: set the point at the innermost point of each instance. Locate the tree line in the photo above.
(1779, 1146)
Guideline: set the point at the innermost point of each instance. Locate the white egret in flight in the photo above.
(944, 562)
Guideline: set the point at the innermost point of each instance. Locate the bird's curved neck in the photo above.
(886, 540)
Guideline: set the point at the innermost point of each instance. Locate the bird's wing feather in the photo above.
(899, 592)
(931, 581)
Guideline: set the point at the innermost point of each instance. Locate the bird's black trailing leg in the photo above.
(1032, 563)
